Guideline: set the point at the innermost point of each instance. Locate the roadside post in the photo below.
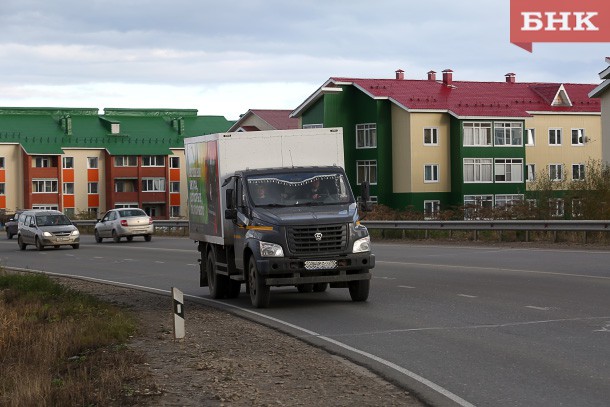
(178, 308)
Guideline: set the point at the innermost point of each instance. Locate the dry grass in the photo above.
(60, 347)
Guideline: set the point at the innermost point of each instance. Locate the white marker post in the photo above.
(178, 308)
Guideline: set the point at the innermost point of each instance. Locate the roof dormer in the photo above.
(561, 98)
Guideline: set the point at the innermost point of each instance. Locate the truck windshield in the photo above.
(299, 188)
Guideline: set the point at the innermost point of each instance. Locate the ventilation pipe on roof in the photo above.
(448, 77)
(400, 74)
(431, 75)
(510, 77)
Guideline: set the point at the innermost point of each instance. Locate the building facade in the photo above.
(80, 161)
(603, 94)
(440, 143)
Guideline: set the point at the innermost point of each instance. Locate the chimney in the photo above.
(510, 78)
(400, 74)
(431, 76)
(448, 77)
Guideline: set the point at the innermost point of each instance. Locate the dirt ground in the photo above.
(228, 361)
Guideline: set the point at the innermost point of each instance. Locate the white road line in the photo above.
(384, 278)
(492, 269)
(538, 308)
(405, 286)
(467, 296)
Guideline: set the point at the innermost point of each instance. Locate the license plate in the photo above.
(321, 264)
(63, 239)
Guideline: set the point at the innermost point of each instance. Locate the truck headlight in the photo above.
(362, 245)
(271, 250)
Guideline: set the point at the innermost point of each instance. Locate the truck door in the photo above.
(241, 223)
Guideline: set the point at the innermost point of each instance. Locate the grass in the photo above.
(59, 347)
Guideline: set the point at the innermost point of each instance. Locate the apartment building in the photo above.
(435, 143)
(80, 160)
(601, 92)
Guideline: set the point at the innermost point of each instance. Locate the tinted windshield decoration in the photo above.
(299, 188)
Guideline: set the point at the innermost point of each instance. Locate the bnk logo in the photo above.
(559, 21)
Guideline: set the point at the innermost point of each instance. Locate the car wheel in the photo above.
(148, 238)
(115, 237)
(130, 238)
(259, 291)
(76, 246)
(39, 244)
(98, 238)
(22, 245)
(56, 247)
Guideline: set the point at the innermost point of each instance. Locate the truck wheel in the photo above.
(259, 292)
(216, 283)
(359, 290)
(234, 289)
(305, 288)
(320, 287)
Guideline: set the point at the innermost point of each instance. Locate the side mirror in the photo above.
(229, 193)
(365, 204)
(231, 214)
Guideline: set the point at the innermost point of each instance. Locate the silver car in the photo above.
(46, 228)
(124, 222)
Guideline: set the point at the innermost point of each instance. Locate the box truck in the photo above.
(275, 208)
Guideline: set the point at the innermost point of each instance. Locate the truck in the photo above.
(273, 209)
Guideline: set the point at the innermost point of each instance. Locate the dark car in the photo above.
(11, 225)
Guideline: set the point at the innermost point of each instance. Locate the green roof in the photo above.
(138, 131)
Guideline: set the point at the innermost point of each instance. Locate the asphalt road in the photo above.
(463, 325)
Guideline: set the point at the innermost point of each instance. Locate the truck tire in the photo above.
(305, 288)
(216, 283)
(259, 292)
(320, 287)
(359, 290)
(234, 289)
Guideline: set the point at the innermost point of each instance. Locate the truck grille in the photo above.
(317, 239)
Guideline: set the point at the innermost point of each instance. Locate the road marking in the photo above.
(491, 268)
(605, 328)
(159, 262)
(98, 257)
(385, 278)
(191, 264)
(405, 286)
(467, 296)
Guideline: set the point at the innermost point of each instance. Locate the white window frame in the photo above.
(555, 136)
(580, 171)
(44, 186)
(431, 209)
(153, 184)
(577, 208)
(366, 135)
(580, 137)
(45, 207)
(557, 170)
(93, 188)
(366, 170)
(126, 205)
(174, 186)
(2, 162)
(431, 136)
(482, 134)
(530, 172)
(510, 168)
(509, 133)
(66, 189)
(507, 200)
(174, 211)
(478, 164)
(42, 162)
(530, 135)
(477, 203)
(431, 173)
(2, 188)
(556, 207)
(125, 161)
(153, 161)
(92, 162)
(67, 162)
(174, 162)
(313, 126)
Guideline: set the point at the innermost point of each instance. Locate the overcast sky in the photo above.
(225, 57)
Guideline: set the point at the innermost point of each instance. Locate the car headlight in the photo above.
(271, 250)
(46, 234)
(75, 233)
(362, 245)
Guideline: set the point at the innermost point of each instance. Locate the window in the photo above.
(556, 207)
(43, 207)
(92, 188)
(473, 204)
(366, 171)
(477, 134)
(508, 134)
(153, 161)
(531, 137)
(556, 172)
(69, 212)
(42, 162)
(431, 136)
(125, 161)
(125, 185)
(578, 137)
(366, 135)
(478, 170)
(153, 184)
(174, 211)
(174, 186)
(67, 162)
(92, 162)
(2, 188)
(1, 162)
(313, 126)
(506, 201)
(577, 208)
(578, 172)
(530, 172)
(174, 162)
(68, 188)
(92, 212)
(431, 173)
(509, 170)
(125, 205)
(554, 137)
(44, 185)
(431, 209)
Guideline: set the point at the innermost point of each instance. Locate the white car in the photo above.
(46, 228)
(124, 222)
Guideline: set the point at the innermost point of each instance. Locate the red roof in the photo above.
(278, 119)
(477, 99)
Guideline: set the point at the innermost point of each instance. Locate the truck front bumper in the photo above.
(293, 271)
